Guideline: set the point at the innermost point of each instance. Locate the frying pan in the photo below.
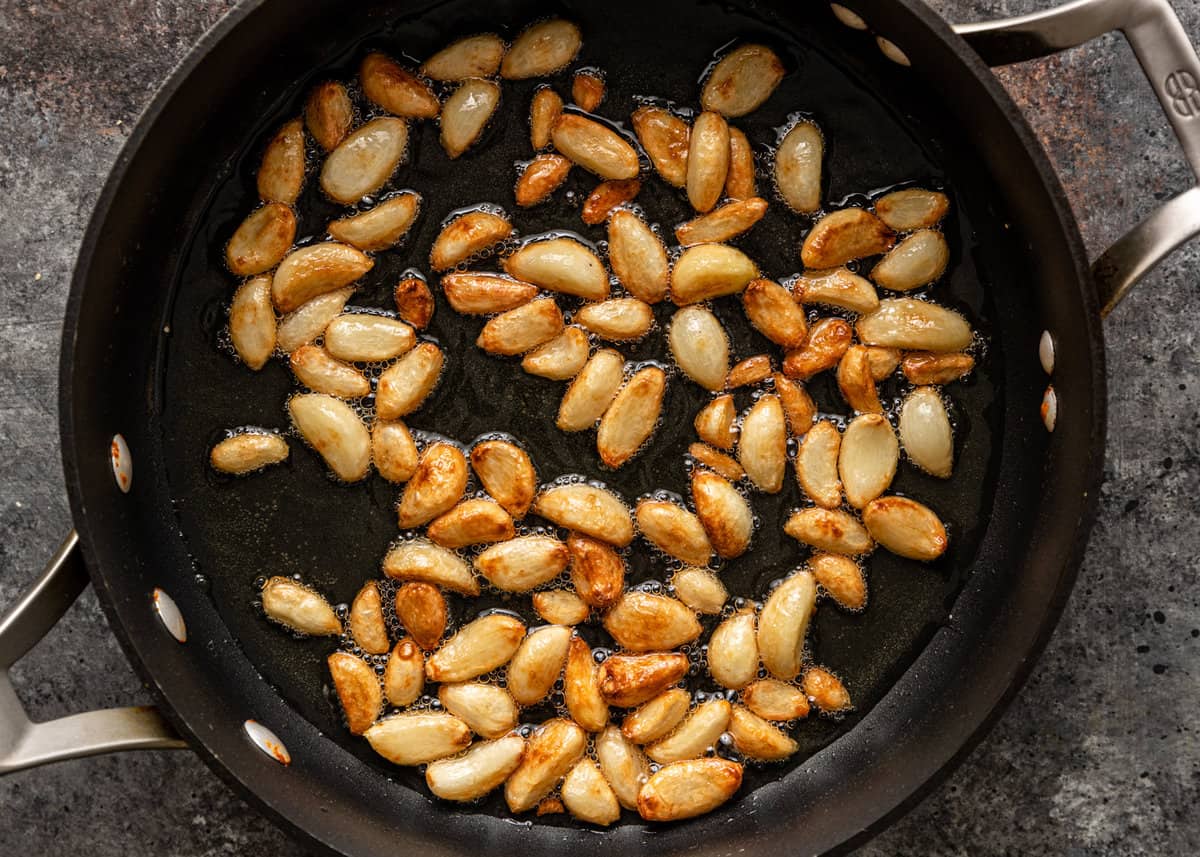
(933, 660)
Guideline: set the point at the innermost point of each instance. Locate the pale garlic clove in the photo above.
(914, 325)
(367, 338)
(280, 175)
(688, 789)
(617, 319)
(916, 261)
(466, 114)
(365, 160)
(587, 89)
(695, 736)
(421, 609)
(715, 421)
(522, 563)
(645, 622)
(700, 589)
(418, 737)
(740, 183)
(723, 465)
(522, 329)
(380, 227)
(828, 340)
(479, 647)
(597, 571)
(581, 688)
(882, 361)
(817, 465)
(836, 287)
(544, 110)
(471, 293)
(541, 49)
(775, 314)
(588, 796)
(708, 160)
(656, 718)
(868, 459)
(638, 257)
(913, 208)
(906, 528)
(506, 473)
(842, 578)
(475, 521)
(358, 690)
(308, 321)
(261, 240)
(762, 444)
(593, 511)
(924, 368)
(925, 432)
(592, 391)
(252, 328)
(826, 690)
(560, 359)
(632, 417)
(335, 431)
(542, 177)
(733, 651)
(844, 236)
(472, 56)
(622, 764)
(783, 624)
(423, 561)
(537, 664)
(748, 372)
(856, 381)
(551, 751)
(674, 530)
(396, 89)
(436, 486)
(723, 223)
(755, 738)
(724, 513)
(561, 265)
(248, 452)
(629, 680)
(829, 530)
(700, 346)
(607, 197)
(319, 371)
(314, 270)
(798, 406)
(798, 168)
(487, 709)
(366, 620)
(665, 137)
(477, 772)
(772, 699)
(404, 386)
(393, 450)
(742, 80)
(404, 675)
(595, 147)
(295, 606)
(329, 114)
(466, 236)
(560, 607)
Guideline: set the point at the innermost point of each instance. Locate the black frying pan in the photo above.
(929, 663)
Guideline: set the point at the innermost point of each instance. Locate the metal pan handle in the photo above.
(1169, 60)
(25, 744)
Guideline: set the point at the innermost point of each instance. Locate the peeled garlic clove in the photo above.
(632, 416)
(798, 168)
(473, 56)
(733, 651)
(714, 423)
(606, 196)
(842, 578)
(595, 147)
(435, 487)
(541, 49)
(357, 689)
(906, 210)
(248, 452)
(925, 432)
(725, 514)
(826, 691)
(622, 764)
(316, 368)
(252, 328)
(856, 382)
(544, 110)
(365, 160)
(479, 647)
(644, 622)
(665, 137)
(597, 571)
(366, 621)
(588, 796)
(675, 531)
(700, 589)
(868, 459)
(906, 528)
(261, 241)
(592, 391)
(688, 789)
(752, 370)
(308, 321)
(883, 361)
(817, 465)
(708, 160)
(537, 664)
(772, 699)
(466, 113)
(483, 768)
(467, 235)
(560, 607)
(695, 736)
(629, 680)
(423, 561)
(798, 405)
(836, 288)
(762, 445)
(380, 227)
(844, 236)
(742, 80)
(718, 462)
(657, 717)
(522, 329)
(314, 270)
(393, 450)
(418, 737)
(708, 271)
(700, 347)
(367, 338)
(755, 738)
(590, 510)
(551, 751)
(923, 367)
(581, 688)
(638, 257)
(329, 114)
(587, 89)
(916, 261)
(721, 224)
(483, 294)
(827, 342)
(335, 431)
(404, 676)
(774, 312)
(396, 89)
(520, 564)
(421, 609)
(829, 530)
(297, 607)
(560, 359)
(506, 473)
(783, 624)
(405, 385)
(472, 522)
(544, 175)
(281, 173)
(917, 325)
(487, 709)
(740, 182)
(617, 319)
(561, 265)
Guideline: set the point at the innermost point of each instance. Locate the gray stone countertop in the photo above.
(1098, 754)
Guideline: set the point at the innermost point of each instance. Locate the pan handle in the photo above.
(1169, 60)
(25, 744)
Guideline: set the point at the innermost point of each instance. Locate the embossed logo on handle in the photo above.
(1184, 93)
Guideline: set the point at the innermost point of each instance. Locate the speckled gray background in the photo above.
(1099, 754)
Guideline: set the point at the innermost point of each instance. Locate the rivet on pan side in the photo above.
(267, 741)
(850, 19)
(892, 52)
(1046, 352)
(169, 615)
(1050, 408)
(122, 463)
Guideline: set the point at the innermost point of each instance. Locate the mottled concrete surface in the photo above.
(1099, 754)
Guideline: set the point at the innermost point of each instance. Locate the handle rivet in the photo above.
(267, 741)
(1050, 408)
(892, 51)
(1046, 352)
(850, 19)
(122, 463)
(168, 613)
